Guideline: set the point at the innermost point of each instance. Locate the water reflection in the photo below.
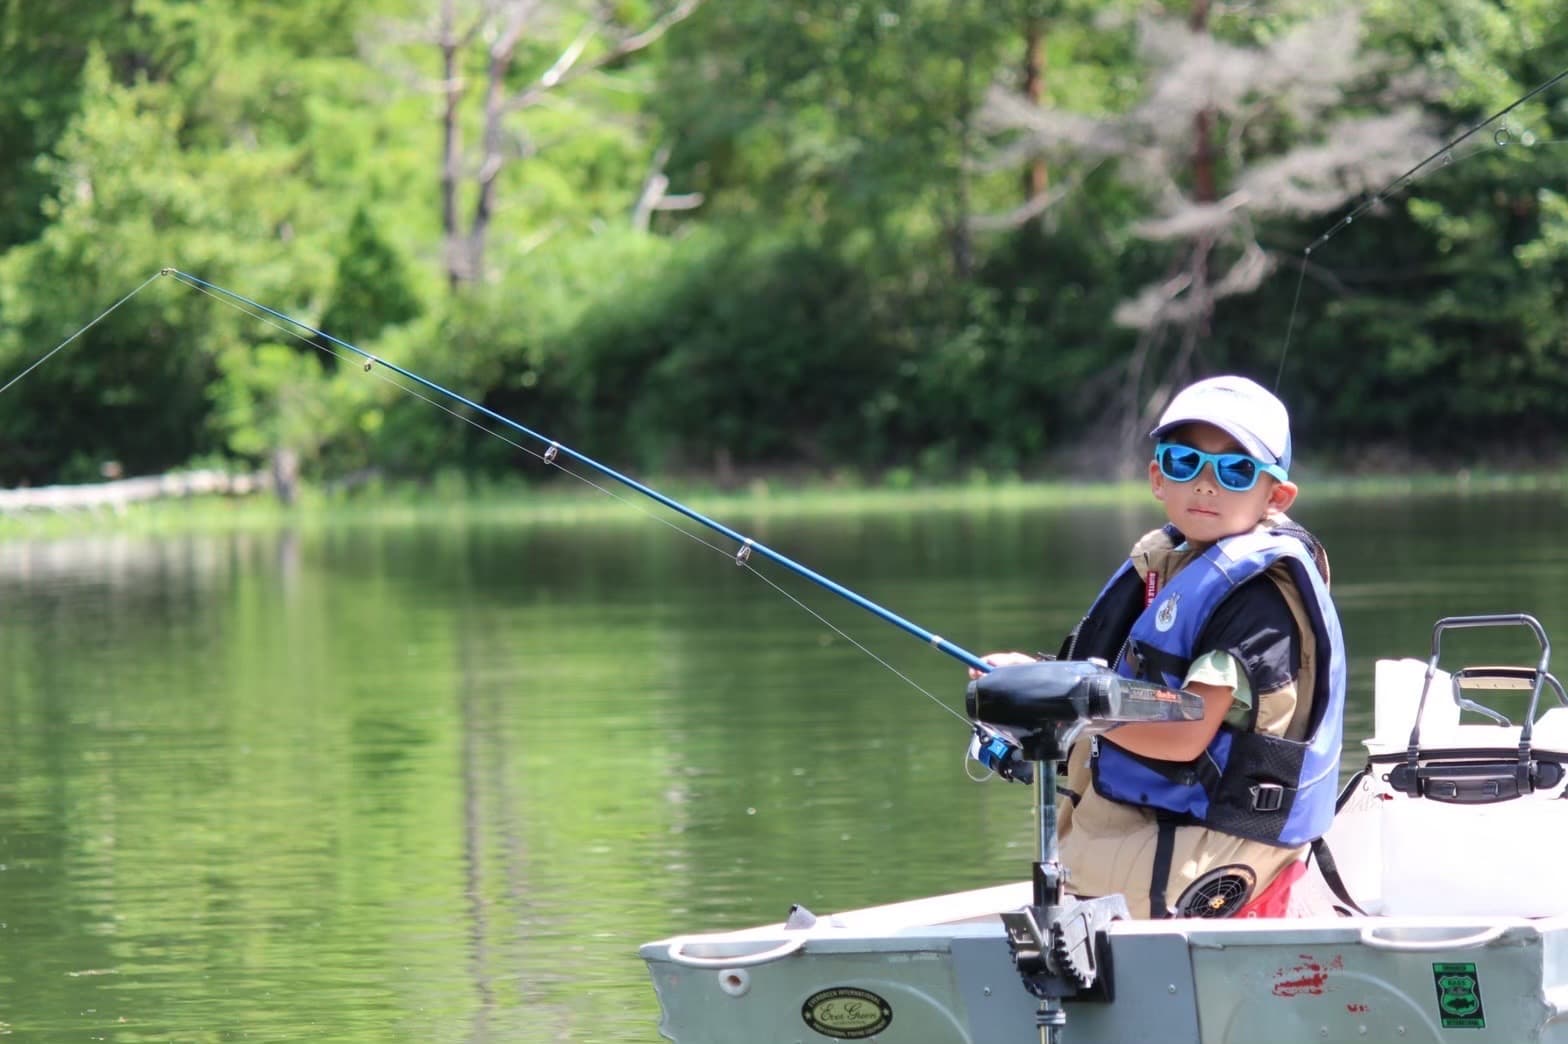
(440, 782)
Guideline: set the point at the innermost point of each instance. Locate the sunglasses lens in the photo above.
(1180, 463)
(1236, 472)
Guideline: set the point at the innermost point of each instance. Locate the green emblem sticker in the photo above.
(846, 1013)
(1459, 996)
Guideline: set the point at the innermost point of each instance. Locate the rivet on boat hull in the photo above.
(735, 981)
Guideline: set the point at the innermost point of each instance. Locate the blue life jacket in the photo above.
(1246, 783)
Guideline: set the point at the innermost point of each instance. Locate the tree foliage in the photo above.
(741, 235)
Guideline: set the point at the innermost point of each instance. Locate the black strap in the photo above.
(1103, 630)
(1326, 865)
(1164, 850)
(1155, 664)
(1330, 871)
(1350, 786)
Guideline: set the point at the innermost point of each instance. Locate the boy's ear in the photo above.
(1281, 496)
(1156, 480)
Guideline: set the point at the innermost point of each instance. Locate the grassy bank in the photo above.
(457, 498)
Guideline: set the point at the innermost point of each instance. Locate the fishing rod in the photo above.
(1442, 157)
(998, 750)
(554, 449)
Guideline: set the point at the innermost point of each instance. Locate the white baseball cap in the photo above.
(1243, 409)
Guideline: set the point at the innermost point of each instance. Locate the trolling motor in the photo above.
(1032, 713)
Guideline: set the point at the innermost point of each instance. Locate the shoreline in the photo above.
(454, 497)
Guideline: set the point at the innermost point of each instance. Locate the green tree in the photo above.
(498, 70)
(372, 290)
(43, 48)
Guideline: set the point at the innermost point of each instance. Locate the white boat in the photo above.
(1441, 915)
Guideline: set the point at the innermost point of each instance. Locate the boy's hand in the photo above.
(1002, 659)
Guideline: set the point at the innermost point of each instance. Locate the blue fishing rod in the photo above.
(995, 750)
(554, 449)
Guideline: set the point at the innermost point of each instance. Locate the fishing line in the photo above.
(1445, 154)
(842, 634)
(586, 480)
(266, 315)
(698, 538)
(101, 317)
(291, 327)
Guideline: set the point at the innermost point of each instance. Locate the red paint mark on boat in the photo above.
(1309, 977)
(1356, 1008)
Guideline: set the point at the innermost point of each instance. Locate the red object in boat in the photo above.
(1274, 900)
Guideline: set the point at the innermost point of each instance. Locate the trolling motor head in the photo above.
(1044, 705)
(1031, 713)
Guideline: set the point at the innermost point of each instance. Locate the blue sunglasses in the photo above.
(1237, 472)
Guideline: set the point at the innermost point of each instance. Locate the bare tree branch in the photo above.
(453, 30)
(1006, 110)
(558, 71)
(655, 193)
(450, 41)
(651, 35)
(566, 68)
(1031, 208)
(1357, 156)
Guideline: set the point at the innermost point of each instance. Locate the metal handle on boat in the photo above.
(1451, 623)
(745, 960)
(1370, 937)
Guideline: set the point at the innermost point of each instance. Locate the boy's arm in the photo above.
(1254, 625)
(1182, 740)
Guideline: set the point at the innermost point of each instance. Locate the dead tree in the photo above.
(1208, 99)
(507, 89)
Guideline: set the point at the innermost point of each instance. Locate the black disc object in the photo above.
(1219, 893)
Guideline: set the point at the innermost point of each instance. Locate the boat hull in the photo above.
(1178, 982)
(1468, 942)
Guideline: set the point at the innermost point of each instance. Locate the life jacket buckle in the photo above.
(1267, 797)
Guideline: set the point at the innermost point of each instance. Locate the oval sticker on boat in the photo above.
(846, 1013)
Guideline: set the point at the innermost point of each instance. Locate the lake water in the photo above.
(438, 782)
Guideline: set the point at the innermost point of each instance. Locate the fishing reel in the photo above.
(1000, 753)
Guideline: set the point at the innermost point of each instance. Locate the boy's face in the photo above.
(1206, 511)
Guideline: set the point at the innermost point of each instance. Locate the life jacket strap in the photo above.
(1160, 877)
(1156, 665)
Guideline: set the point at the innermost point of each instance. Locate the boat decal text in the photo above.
(1459, 996)
(846, 1013)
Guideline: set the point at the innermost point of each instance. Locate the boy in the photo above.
(1230, 601)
